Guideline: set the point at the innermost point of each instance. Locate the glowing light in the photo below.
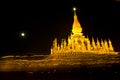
(74, 9)
(23, 34)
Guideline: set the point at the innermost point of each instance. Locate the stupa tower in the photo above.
(77, 42)
(76, 28)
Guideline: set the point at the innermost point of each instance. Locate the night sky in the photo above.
(44, 20)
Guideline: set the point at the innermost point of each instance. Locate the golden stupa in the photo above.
(77, 42)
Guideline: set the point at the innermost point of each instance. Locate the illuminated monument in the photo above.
(78, 43)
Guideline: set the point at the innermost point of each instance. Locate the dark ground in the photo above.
(79, 67)
(107, 72)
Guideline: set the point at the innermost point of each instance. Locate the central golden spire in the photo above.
(76, 28)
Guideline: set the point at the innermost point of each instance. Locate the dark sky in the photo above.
(44, 20)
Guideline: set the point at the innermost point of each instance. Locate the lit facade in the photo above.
(77, 42)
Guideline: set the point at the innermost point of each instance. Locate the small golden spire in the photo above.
(98, 43)
(93, 44)
(110, 45)
(102, 43)
(106, 45)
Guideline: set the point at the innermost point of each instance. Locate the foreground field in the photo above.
(85, 66)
